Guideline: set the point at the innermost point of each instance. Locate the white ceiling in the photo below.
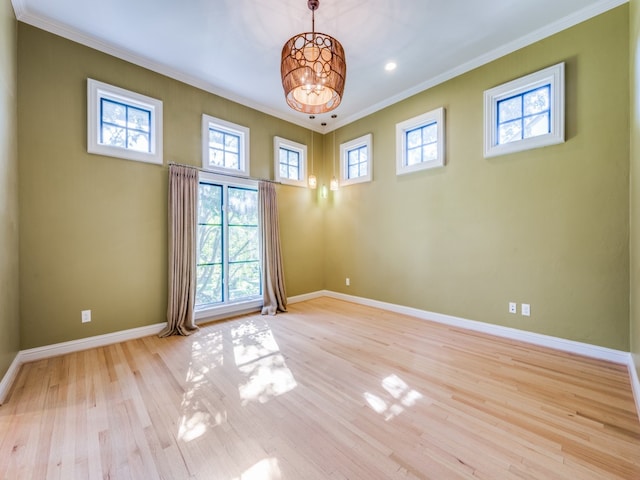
(233, 47)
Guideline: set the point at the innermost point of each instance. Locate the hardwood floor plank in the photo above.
(330, 390)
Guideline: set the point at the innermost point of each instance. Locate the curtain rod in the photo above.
(200, 169)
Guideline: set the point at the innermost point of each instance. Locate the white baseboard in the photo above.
(635, 382)
(48, 351)
(9, 378)
(571, 346)
(63, 348)
(307, 296)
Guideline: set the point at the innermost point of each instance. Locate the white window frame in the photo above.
(434, 116)
(553, 76)
(228, 127)
(227, 308)
(345, 148)
(96, 91)
(278, 143)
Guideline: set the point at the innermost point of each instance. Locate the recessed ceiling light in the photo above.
(389, 67)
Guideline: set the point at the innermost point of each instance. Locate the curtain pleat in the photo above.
(273, 289)
(183, 217)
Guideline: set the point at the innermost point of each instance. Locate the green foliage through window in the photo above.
(228, 257)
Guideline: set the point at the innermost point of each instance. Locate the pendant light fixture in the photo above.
(333, 185)
(313, 69)
(312, 180)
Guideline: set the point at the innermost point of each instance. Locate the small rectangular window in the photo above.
(225, 146)
(290, 164)
(525, 113)
(356, 160)
(420, 142)
(123, 124)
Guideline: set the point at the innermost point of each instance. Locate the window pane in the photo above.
(209, 244)
(294, 159)
(231, 160)
(244, 280)
(414, 156)
(284, 171)
(294, 173)
(536, 125)
(243, 206)
(430, 133)
(209, 284)
(430, 152)
(509, 109)
(352, 157)
(216, 139)
(537, 101)
(232, 143)
(210, 204)
(353, 171)
(216, 157)
(510, 132)
(113, 136)
(113, 112)
(414, 138)
(139, 119)
(243, 244)
(138, 141)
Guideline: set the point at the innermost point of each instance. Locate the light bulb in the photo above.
(313, 182)
(333, 185)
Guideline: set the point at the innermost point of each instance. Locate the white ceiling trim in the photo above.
(23, 15)
(70, 34)
(529, 39)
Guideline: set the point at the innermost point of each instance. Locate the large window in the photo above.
(355, 161)
(225, 146)
(525, 113)
(420, 142)
(228, 256)
(290, 162)
(123, 124)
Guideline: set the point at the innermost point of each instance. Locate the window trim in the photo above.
(234, 129)
(96, 91)
(244, 305)
(278, 143)
(553, 76)
(434, 116)
(345, 148)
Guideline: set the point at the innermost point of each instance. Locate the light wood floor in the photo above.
(330, 390)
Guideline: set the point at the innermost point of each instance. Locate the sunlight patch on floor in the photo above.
(196, 418)
(266, 469)
(258, 358)
(396, 397)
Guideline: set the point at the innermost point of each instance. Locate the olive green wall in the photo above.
(634, 202)
(93, 228)
(548, 227)
(9, 295)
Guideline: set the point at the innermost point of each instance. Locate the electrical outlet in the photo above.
(526, 310)
(513, 307)
(347, 281)
(86, 316)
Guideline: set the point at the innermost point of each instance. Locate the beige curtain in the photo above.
(183, 217)
(273, 291)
